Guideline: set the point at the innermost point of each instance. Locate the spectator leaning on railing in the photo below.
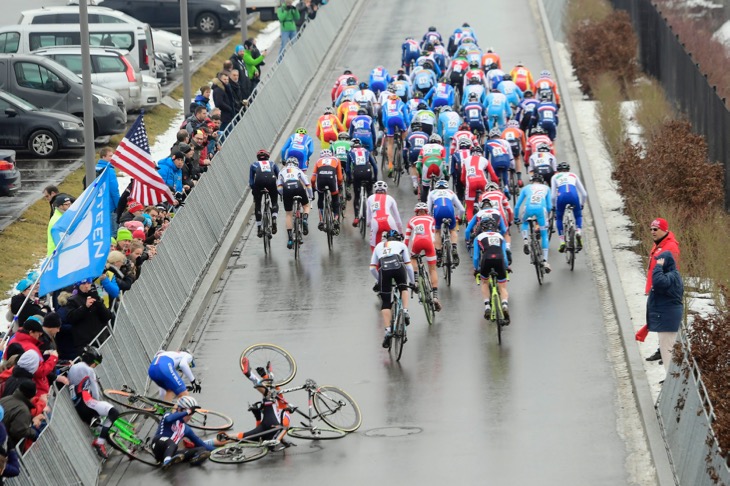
(9, 463)
(288, 16)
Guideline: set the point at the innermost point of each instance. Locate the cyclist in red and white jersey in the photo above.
(420, 232)
(382, 213)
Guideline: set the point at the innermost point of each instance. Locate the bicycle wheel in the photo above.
(446, 255)
(399, 334)
(398, 156)
(129, 400)
(329, 223)
(424, 289)
(363, 202)
(204, 419)
(266, 224)
(551, 226)
(132, 433)
(570, 245)
(315, 433)
(337, 408)
(537, 258)
(297, 234)
(498, 314)
(238, 453)
(283, 366)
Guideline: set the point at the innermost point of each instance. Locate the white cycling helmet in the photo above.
(187, 402)
(380, 186)
(325, 153)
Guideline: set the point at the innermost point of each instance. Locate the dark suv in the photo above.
(208, 16)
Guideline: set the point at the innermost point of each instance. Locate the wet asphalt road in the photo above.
(540, 409)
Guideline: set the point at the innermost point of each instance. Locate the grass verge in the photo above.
(607, 91)
(653, 110)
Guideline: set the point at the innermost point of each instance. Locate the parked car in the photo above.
(45, 83)
(9, 174)
(113, 69)
(42, 132)
(208, 16)
(165, 42)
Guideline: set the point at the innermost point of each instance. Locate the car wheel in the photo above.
(207, 23)
(43, 143)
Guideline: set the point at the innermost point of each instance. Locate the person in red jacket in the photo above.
(28, 339)
(664, 240)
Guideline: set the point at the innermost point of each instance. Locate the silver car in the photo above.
(114, 69)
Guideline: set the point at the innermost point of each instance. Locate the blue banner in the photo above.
(83, 237)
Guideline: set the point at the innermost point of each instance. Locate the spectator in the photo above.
(49, 194)
(170, 170)
(32, 307)
(307, 11)
(663, 241)
(87, 314)
(196, 120)
(253, 59)
(288, 16)
(665, 306)
(64, 338)
(237, 62)
(222, 98)
(9, 463)
(137, 256)
(182, 137)
(124, 239)
(51, 328)
(200, 150)
(236, 92)
(201, 99)
(134, 209)
(123, 199)
(18, 418)
(114, 280)
(23, 372)
(62, 203)
(27, 340)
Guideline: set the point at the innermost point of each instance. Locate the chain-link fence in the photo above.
(151, 311)
(663, 56)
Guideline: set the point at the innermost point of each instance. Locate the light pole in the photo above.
(244, 22)
(89, 150)
(187, 95)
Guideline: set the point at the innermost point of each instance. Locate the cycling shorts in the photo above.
(377, 86)
(443, 212)
(497, 264)
(386, 280)
(88, 408)
(476, 125)
(424, 244)
(395, 121)
(289, 194)
(162, 371)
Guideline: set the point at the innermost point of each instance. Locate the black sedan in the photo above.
(208, 16)
(9, 174)
(43, 132)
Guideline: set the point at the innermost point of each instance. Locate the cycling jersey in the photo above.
(494, 77)
(379, 79)
(498, 110)
(547, 118)
(293, 182)
(424, 80)
(345, 93)
(419, 237)
(516, 139)
(455, 74)
(414, 143)
(395, 114)
(566, 189)
(339, 149)
(390, 263)
(500, 155)
(361, 167)
(363, 127)
(262, 176)
(500, 202)
(341, 81)
(443, 204)
(299, 146)
(536, 140)
(511, 91)
(441, 94)
(431, 163)
(410, 51)
(163, 370)
(427, 118)
(462, 135)
(523, 78)
(536, 199)
(457, 161)
(327, 174)
(328, 127)
(473, 225)
(474, 117)
(490, 253)
(85, 392)
(543, 163)
(383, 215)
(474, 171)
(366, 99)
(525, 113)
(490, 58)
(547, 85)
(402, 89)
(346, 112)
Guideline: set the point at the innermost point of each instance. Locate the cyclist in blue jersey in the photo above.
(440, 95)
(379, 80)
(402, 87)
(415, 100)
(430, 36)
(363, 128)
(461, 153)
(415, 140)
(566, 188)
(547, 115)
(424, 79)
(513, 92)
(494, 75)
(395, 114)
(537, 202)
(474, 116)
(443, 204)
(525, 113)
(410, 51)
(300, 146)
(448, 124)
(474, 87)
(163, 371)
(498, 110)
(500, 156)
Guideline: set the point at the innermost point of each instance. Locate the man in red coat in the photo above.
(664, 240)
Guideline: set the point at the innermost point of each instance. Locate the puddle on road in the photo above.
(401, 431)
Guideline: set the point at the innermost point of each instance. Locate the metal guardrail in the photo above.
(151, 311)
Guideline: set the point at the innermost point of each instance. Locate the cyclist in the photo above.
(500, 156)
(395, 114)
(346, 112)
(536, 198)
(498, 110)
(474, 92)
(425, 79)
(366, 99)
(425, 117)
(402, 87)
(460, 33)
(391, 263)
(379, 79)
(547, 115)
(490, 254)
(415, 141)
(339, 149)
(410, 51)
(543, 162)
(420, 234)
(327, 174)
(163, 371)
(341, 81)
(464, 133)
(383, 213)
(474, 73)
(525, 113)
(537, 136)
(545, 84)
(293, 182)
(300, 146)
(440, 95)
(448, 124)
(486, 210)
(457, 162)
(413, 103)
(262, 177)
(346, 92)
(494, 75)
(522, 77)
(476, 171)
(513, 93)
(429, 37)
(363, 128)
(490, 57)
(455, 74)
(328, 126)
(431, 164)
(174, 428)
(500, 202)
(443, 204)
(86, 397)
(516, 139)
(474, 116)
(566, 188)
(360, 167)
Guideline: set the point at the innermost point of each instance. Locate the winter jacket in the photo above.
(17, 419)
(668, 243)
(30, 309)
(191, 123)
(665, 306)
(51, 245)
(13, 378)
(27, 342)
(8, 457)
(86, 322)
(288, 17)
(171, 175)
(199, 100)
(64, 339)
(251, 62)
(222, 100)
(244, 83)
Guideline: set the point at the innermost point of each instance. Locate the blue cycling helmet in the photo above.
(442, 184)
(392, 235)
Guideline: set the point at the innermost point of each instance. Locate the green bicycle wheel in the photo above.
(238, 453)
(283, 366)
(132, 433)
(337, 408)
(316, 433)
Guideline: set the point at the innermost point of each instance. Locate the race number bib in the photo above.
(497, 150)
(418, 142)
(457, 68)
(375, 206)
(326, 123)
(471, 171)
(453, 123)
(265, 167)
(419, 229)
(536, 199)
(494, 241)
(291, 176)
(548, 115)
(360, 160)
(341, 151)
(473, 113)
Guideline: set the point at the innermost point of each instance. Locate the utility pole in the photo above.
(89, 150)
(187, 95)
(244, 22)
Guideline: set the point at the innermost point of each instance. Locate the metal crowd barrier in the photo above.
(151, 311)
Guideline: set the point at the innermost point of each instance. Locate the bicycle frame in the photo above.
(312, 389)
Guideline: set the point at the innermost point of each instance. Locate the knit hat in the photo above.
(33, 324)
(23, 285)
(239, 48)
(184, 148)
(52, 320)
(660, 223)
(139, 234)
(124, 234)
(62, 199)
(27, 388)
(147, 219)
(135, 206)
(133, 225)
(29, 361)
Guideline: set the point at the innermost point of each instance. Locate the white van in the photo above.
(23, 39)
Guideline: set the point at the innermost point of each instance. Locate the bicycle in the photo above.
(329, 218)
(247, 449)
(569, 233)
(397, 325)
(298, 223)
(362, 211)
(514, 187)
(263, 355)
(536, 248)
(397, 156)
(266, 222)
(425, 291)
(551, 225)
(132, 433)
(496, 314)
(446, 256)
(202, 419)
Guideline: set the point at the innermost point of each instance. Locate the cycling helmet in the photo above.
(474, 64)
(380, 186)
(356, 142)
(392, 235)
(519, 64)
(91, 355)
(441, 184)
(328, 111)
(495, 133)
(465, 25)
(475, 80)
(409, 38)
(563, 167)
(420, 207)
(418, 95)
(492, 186)
(186, 403)
(545, 74)
(422, 106)
(301, 131)
(435, 138)
(362, 111)
(513, 124)
(537, 178)
(473, 97)
(538, 130)
(488, 224)
(529, 94)
(543, 147)
(393, 96)
(446, 108)
(486, 203)
(465, 143)
(477, 149)
(432, 29)
(325, 153)
(416, 126)
(464, 126)
(363, 86)
(402, 77)
(507, 77)
(427, 64)
(391, 88)
(462, 53)
(263, 154)
(343, 136)
(490, 49)
(292, 161)
(351, 81)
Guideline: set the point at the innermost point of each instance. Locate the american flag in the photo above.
(132, 157)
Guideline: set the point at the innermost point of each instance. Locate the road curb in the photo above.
(639, 381)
